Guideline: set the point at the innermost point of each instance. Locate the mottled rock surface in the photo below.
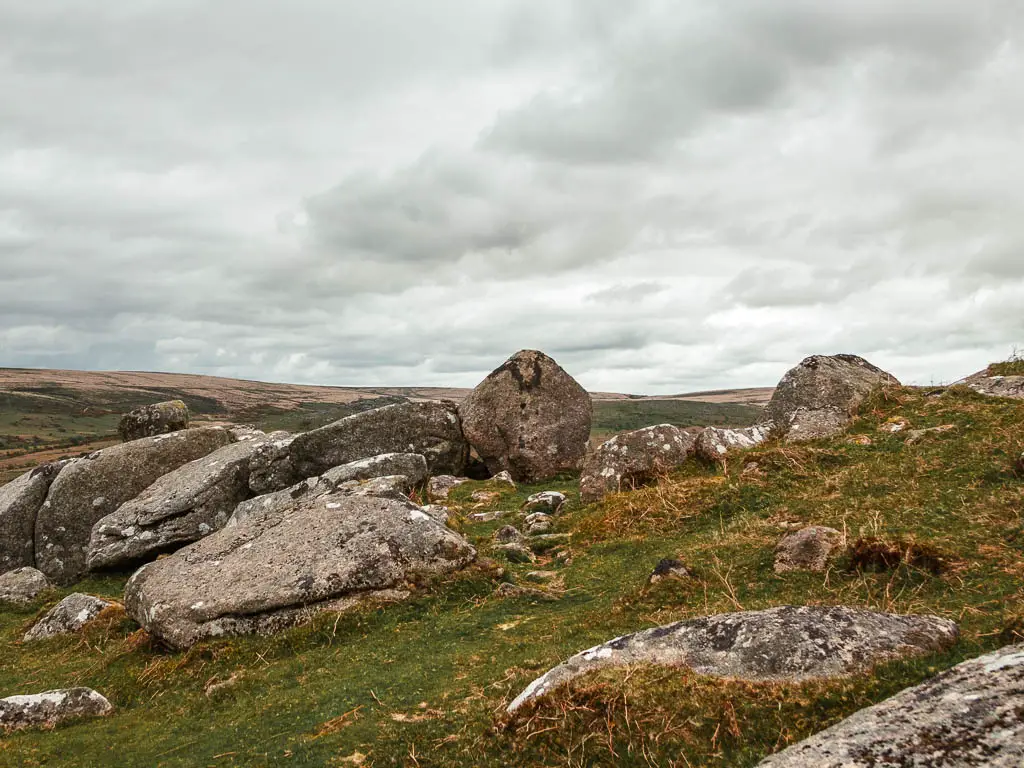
(440, 486)
(20, 501)
(89, 489)
(808, 549)
(714, 443)
(631, 459)
(508, 534)
(528, 417)
(326, 553)
(410, 465)
(550, 502)
(68, 616)
(156, 419)
(785, 643)
(538, 522)
(45, 710)
(970, 715)
(819, 397)
(22, 585)
(182, 506)
(668, 568)
(996, 386)
(270, 466)
(430, 428)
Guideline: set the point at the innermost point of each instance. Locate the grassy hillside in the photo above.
(619, 415)
(425, 683)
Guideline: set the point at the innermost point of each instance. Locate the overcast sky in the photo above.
(665, 196)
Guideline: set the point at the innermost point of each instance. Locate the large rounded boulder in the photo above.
(528, 417)
(819, 397)
(632, 459)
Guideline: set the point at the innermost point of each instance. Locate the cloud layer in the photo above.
(665, 196)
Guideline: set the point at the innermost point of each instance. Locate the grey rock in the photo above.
(714, 443)
(277, 503)
(508, 534)
(270, 466)
(668, 568)
(996, 386)
(504, 478)
(538, 522)
(45, 710)
(486, 517)
(182, 506)
(430, 428)
(784, 644)
(528, 417)
(327, 553)
(541, 577)
(438, 512)
(156, 419)
(22, 585)
(633, 458)
(411, 465)
(67, 617)
(394, 486)
(20, 501)
(440, 486)
(819, 397)
(89, 489)
(808, 549)
(515, 552)
(970, 715)
(550, 502)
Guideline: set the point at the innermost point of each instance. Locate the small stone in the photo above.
(668, 568)
(538, 522)
(156, 419)
(439, 487)
(22, 585)
(68, 616)
(486, 517)
(508, 534)
(51, 708)
(504, 478)
(516, 553)
(541, 577)
(808, 549)
(550, 502)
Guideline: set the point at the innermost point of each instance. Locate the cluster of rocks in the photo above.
(538, 514)
(816, 399)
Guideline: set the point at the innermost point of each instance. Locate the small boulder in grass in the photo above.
(504, 478)
(440, 486)
(808, 549)
(515, 552)
(550, 502)
(22, 585)
(538, 522)
(69, 616)
(45, 710)
(668, 568)
(508, 534)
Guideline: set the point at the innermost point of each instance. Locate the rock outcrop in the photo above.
(22, 585)
(20, 501)
(714, 443)
(550, 502)
(429, 428)
(67, 617)
(808, 549)
(632, 459)
(182, 506)
(819, 397)
(970, 715)
(326, 553)
(528, 417)
(996, 386)
(412, 466)
(89, 489)
(152, 420)
(787, 643)
(45, 710)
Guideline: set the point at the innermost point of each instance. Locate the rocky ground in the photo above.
(695, 610)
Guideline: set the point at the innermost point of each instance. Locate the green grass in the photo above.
(425, 683)
(1012, 367)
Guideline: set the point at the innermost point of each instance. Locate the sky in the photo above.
(664, 196)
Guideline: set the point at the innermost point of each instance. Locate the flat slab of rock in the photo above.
(68, 616)
(182, 506)
(996, 386)
(633, 458)
(714, 443)
(156, 419)
(819, 397)
(45, 710)
(971, 715)
(266, 574)
(20, 501)
(412, 466)
(22, 585)
(808, 549)
(786, 643)
(89, 489)
(271, 468)
(528, 417)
